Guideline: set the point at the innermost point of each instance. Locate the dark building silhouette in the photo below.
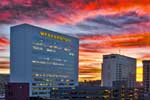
(146, 75)
(90, 83)
(17, 91)
(4, 78)
(97, 93)
(82, 93)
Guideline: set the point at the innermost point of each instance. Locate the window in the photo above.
(113, 56)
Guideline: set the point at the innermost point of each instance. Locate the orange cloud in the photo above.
(4, 71)
(147, 56)
(4, 64)
(118, 41)
(4, 67)
(4, 42)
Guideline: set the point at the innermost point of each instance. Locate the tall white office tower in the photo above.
(118, 69)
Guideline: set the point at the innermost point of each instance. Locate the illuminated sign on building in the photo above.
(58, 37)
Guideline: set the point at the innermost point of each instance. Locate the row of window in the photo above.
(49, 58)
(47, 62)
(53, 47)
(53, 84)
(40, 84)
(106, 57)
(40, 93)
(49, 75)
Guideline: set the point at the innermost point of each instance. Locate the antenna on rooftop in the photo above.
(120, 51)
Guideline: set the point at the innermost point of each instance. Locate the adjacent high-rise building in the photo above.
(146, 75)
(117, 70)
(43, 58)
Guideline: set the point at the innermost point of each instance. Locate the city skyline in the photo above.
(103, 27)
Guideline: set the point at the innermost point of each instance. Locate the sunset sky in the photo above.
(103, 27)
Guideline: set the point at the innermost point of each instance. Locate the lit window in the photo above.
(71, 54)
(66, 49)
(37, 48)
(50, 50)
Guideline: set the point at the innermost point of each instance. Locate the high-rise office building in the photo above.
(146, 75)
(118, 69)
(43, 58)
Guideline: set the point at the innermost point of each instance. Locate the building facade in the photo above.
(146, 75)
(43, 58)
(117, 68)
(4, 78)
(96, 93)
(83, 93)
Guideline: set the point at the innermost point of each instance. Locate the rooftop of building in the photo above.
(146, 61)
(26, 24)
(119, 55)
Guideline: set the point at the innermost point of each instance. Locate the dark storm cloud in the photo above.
(56, 11)
(131, 17)
(103, 20)
(16, 10)
(129, 22)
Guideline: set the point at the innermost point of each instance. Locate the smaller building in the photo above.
(82, 93)
(146, 75)
(4, 78)
(17, 91)
(97, 93)
(116, 67)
